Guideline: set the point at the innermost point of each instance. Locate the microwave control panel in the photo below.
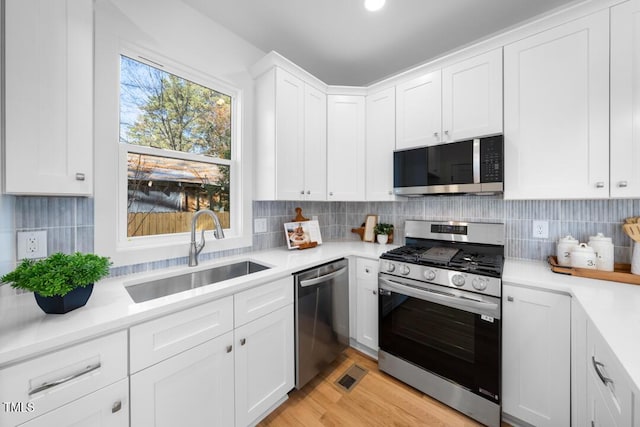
(491, 159)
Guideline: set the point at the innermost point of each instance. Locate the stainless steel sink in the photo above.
(153, 289)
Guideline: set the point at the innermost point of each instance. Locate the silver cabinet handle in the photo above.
(116, 407)
(308, 191)
(229, 348)
(623, 184)
(331, 193)
(435, 134)
(599, 184)
(79, 176)
(243, 341)
(446, 132)
(510, 299)
(390, 192)
(374, 292)
(366, 270)
(301, 191)
(47, 386)
(598, 366)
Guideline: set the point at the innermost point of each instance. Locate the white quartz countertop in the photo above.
(614, 308)
(25, 331)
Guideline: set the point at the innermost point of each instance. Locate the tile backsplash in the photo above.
(69, 222)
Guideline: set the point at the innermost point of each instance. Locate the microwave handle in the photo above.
(476, 161)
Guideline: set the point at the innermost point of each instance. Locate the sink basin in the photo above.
(157, 288)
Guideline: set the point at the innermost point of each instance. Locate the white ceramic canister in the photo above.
(583, 256)
(603, 246)
(635, 259)
(564, 248)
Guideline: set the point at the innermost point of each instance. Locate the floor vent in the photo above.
(351, 377)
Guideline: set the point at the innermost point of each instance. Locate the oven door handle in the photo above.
(447, 298)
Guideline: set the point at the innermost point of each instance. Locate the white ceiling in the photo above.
(341, 43)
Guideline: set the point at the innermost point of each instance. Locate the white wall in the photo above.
(178, 33)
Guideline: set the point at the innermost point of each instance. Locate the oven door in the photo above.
(451, 333)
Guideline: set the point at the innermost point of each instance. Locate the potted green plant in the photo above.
(60, 282)
(384, 233)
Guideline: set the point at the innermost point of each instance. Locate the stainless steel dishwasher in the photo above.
(322, 317)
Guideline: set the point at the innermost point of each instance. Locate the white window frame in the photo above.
(111, 228)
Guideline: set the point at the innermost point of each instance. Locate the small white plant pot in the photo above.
(382, 239)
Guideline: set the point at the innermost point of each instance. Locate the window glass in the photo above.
(171, 115)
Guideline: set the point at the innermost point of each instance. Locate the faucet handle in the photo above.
(200, 245)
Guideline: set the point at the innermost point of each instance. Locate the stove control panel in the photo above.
(442, 276)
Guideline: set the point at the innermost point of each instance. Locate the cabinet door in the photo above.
(472, 97)
(625, 99)
(49, 97)
(289, 166)
(346, 148)
(193, 388)
(264, 364)
(556, 112)
(315, 144)
(107, 407)
(381, 141)
(535, 356)
(367, 303)
(419, 111)
(597, 411)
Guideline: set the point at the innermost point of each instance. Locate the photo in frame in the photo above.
(369, 224)
(300, 233)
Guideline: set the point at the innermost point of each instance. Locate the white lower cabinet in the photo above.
(44, 386)
(107, 407)
(192, 388)
(209, 372)
(609, 391)
(367, 303)
(264, 364)
(536, 356)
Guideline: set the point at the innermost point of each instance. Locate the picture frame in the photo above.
(369, 224)
(302, 233)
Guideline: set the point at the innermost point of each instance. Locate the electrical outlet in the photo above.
(541, 229)
(32, 244)
(260, 225)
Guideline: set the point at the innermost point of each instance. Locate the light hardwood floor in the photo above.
(377, 400)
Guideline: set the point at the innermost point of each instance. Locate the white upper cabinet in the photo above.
(419, 111)
(49, 97)
(381, 141)
(556, 112)
(346, 147)
(315, 144)
(472, 97)
(625, 99)
(290, 138)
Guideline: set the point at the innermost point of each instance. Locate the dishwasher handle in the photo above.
(324, 278)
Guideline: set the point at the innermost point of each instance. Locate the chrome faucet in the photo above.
(196, 248)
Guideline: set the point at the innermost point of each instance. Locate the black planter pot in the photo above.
(60, 305)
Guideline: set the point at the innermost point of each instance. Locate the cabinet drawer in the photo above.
(367, 269)
(256, 302)
(52, 380)
(610, 377)
(159, 339)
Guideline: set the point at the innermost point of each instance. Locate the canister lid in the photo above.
(600, 238)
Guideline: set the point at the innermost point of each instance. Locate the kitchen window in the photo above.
(178, 143)
(168, 142)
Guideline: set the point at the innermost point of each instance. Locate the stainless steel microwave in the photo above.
(472, 166)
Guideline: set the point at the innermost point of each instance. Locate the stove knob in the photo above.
(390, 267)
(480, 284)
(404, 270)
(457, 279)
(429, 274)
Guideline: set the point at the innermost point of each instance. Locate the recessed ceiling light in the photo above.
(373, 5)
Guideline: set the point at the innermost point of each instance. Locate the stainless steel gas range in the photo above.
(439, 314)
